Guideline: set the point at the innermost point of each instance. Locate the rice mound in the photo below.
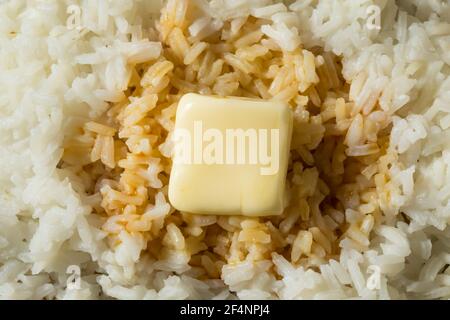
(84, 174)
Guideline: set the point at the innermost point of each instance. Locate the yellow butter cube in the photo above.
(230, 156)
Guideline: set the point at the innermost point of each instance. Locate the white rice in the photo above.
(52, 78)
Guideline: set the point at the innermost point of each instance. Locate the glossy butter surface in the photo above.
(231, 188)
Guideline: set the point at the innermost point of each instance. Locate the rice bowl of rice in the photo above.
(89, 92)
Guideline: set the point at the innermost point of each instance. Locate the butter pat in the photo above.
(230, 156)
